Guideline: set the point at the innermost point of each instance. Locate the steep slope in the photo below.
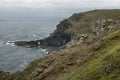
(92, 53)
(104, 64)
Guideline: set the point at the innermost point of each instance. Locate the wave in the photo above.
(34, 35)
(11, 43)
(45, 51)
(37, 36)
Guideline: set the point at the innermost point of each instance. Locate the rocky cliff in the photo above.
(79, 27)
(57, 39)
(90, 50)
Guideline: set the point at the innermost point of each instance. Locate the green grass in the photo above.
(107, 56)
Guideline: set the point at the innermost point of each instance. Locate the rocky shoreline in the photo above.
(55, 41)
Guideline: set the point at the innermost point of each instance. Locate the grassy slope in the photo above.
(103, 65)
(84, 63)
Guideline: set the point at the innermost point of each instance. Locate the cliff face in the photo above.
(91, 50)
(60, 36)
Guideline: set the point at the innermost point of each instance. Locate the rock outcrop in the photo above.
(27, 43)
(106, 25)
(58, 38)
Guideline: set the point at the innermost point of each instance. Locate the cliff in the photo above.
(89, 45)
(91, 23)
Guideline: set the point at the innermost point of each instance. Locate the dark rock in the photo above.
(44, 66)
(40, 70)
(57, 40)
(109, 68)
(70, 63)
(27, 43)
(21, 43)
(59, 37)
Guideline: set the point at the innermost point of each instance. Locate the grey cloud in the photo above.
(53, 7)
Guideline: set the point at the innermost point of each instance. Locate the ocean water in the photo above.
(15, 58)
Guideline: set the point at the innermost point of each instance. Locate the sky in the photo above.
(53, 8)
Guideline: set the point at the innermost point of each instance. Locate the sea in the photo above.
(15, 58)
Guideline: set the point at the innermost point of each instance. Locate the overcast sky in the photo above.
(53, 7)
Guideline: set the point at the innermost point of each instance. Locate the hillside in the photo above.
(87, 45)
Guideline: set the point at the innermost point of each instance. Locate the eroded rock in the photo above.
(27, 43)
(105, 25)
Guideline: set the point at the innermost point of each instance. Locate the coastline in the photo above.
(89, 37)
